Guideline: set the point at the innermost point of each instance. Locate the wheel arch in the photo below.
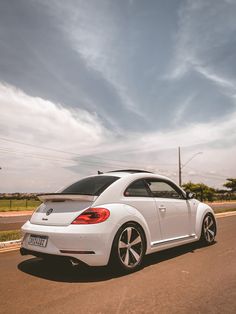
(122, 226)
(136, 223)
(202, 211)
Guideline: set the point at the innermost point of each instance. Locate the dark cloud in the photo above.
(39, 58)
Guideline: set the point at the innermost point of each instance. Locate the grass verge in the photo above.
(10, 235)
(18, 209)
(18, 205)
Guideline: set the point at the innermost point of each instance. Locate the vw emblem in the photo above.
(49, 211)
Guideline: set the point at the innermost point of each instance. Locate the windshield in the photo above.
(90, 186)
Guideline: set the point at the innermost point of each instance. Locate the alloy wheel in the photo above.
(209, 229)
(130, 247)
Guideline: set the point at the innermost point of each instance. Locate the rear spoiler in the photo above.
(64, 197)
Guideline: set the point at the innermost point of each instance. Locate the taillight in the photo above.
(92, 216)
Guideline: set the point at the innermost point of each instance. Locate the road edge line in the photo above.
(225, 214)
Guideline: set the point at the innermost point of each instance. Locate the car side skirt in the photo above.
(173, 242)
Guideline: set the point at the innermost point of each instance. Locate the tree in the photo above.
(231, 184)
(202, 191)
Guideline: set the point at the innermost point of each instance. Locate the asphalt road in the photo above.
(226, 205)
(187, 279)
(13, 223)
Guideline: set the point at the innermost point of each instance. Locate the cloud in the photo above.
(37, 120)
(108, 59)
(219, 81)
(205, 32)
(94, 32)
(182, 108)
(56, 139)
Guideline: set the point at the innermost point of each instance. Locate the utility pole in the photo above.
(180, 168)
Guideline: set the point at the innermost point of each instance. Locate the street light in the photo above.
(181, 166)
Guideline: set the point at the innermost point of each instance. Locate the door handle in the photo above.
(162, 208)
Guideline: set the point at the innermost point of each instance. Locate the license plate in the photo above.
(37, 240)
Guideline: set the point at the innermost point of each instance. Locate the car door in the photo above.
(173, 209)
(138, 195)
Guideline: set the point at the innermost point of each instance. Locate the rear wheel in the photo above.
(129, 247)
(208, 230)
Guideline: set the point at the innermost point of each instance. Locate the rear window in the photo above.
(90, 186)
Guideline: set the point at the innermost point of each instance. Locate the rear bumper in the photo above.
(49, 257)
(90, 244)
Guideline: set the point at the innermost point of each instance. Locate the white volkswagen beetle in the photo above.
(117, 218)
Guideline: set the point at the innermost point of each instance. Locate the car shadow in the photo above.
(64, 272)
(168, 254)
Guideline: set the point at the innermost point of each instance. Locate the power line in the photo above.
(38, 146)
(33, 156)
(50, 158)
(101, 161)
(60, 159)
(71, 153)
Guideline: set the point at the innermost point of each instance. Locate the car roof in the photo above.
(119, 173)
(126, 172)
(136, 174)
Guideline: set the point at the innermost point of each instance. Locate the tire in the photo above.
(128, 249)
(208, 230)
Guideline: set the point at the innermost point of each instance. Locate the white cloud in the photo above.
(181, 109)
(36, 121)
(93, 29)
(220, 81)
(40, 121)
(204, 31)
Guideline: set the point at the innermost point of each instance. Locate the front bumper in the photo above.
(90, 244)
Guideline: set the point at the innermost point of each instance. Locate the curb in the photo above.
(8, 246)
(13, 245)
(15, 214)
(9, 243)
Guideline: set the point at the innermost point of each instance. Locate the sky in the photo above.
(104, 85)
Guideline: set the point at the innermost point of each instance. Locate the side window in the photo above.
(163, 189)
(137, 188)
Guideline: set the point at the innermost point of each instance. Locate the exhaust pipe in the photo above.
(74, 262)
(23, 251)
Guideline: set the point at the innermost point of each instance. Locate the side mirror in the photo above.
(190, 195)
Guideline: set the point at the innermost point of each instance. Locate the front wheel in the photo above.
(208, 230)
(128, 248)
